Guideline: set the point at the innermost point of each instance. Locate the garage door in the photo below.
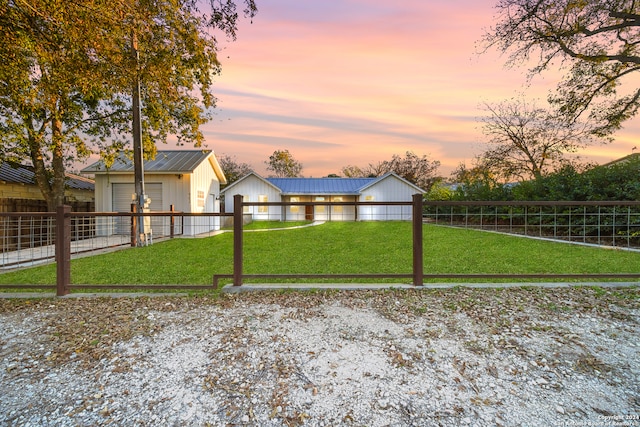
(121, 196)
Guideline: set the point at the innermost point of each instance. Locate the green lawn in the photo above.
(335, 247)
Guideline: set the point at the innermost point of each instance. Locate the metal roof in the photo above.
(21, 174)
(320, 185)
(170, 161)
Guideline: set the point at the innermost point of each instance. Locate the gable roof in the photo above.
(321, 186)
(169, 161)
(22, 174)
(393, 174)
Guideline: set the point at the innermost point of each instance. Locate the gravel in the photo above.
(460, 357)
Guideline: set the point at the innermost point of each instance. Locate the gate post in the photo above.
(237, 239)
(63, 250)
(418, 260)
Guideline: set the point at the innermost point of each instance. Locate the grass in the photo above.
(334, 248)
(267, 225)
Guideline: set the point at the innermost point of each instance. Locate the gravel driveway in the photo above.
(457, 357)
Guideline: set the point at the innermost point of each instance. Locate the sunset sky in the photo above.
(352, 82)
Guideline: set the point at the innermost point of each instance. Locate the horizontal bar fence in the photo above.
(30, 238)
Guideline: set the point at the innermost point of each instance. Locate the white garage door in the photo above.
(121, 196)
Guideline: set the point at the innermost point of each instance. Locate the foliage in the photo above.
(620, 181)
(318, 250)
(233, 170)
(528, 141)
(419, 171)
(595, 42)
(284, 165)
(478, 183)
(617, 182)
(440, 191)
(67, 72)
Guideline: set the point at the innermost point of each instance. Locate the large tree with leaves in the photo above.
(67, 72)
(595, 42)
(284, 165)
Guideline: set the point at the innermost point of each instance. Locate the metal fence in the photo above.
(29, 238)
(600, 223)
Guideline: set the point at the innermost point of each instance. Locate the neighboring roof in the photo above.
(319, 186)
(21, 174)
(170, 161)
(624, 159)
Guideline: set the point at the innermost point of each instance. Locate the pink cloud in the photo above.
(348, 82)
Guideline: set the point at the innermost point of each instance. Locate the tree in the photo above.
(478, 182)
(596, 42)
(233, 170)
(351, 171)
(283, 165)
(67, 73)
(528, 141)
(418, 170)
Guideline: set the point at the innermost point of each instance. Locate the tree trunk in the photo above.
(56, 197)
(50, 182)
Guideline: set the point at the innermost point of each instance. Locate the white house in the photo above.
(188, 180)
(386, 188)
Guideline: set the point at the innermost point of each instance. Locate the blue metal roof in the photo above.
(320, 185)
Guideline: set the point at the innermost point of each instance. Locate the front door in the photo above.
(308, 213)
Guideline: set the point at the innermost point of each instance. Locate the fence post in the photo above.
(172, 223)
(237, 239)
(134, 225)
(418, 261)
(63, 250)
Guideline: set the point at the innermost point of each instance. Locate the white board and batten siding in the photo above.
(204, 188)
(165, 190)
(254, 189)
(390, 189)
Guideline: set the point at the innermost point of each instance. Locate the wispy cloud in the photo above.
(352, 82)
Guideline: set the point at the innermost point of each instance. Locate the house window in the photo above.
(200, 199)
(337, 209)
(245, 199)
(369, 198)
(262, 198)
(320, 209)
(294, 209)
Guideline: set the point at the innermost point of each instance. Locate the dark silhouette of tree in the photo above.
(596, 42)
(527, 141)
(233, 170)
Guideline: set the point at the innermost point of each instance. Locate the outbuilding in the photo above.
(182, 180)
(386, 188)
(20, 193)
